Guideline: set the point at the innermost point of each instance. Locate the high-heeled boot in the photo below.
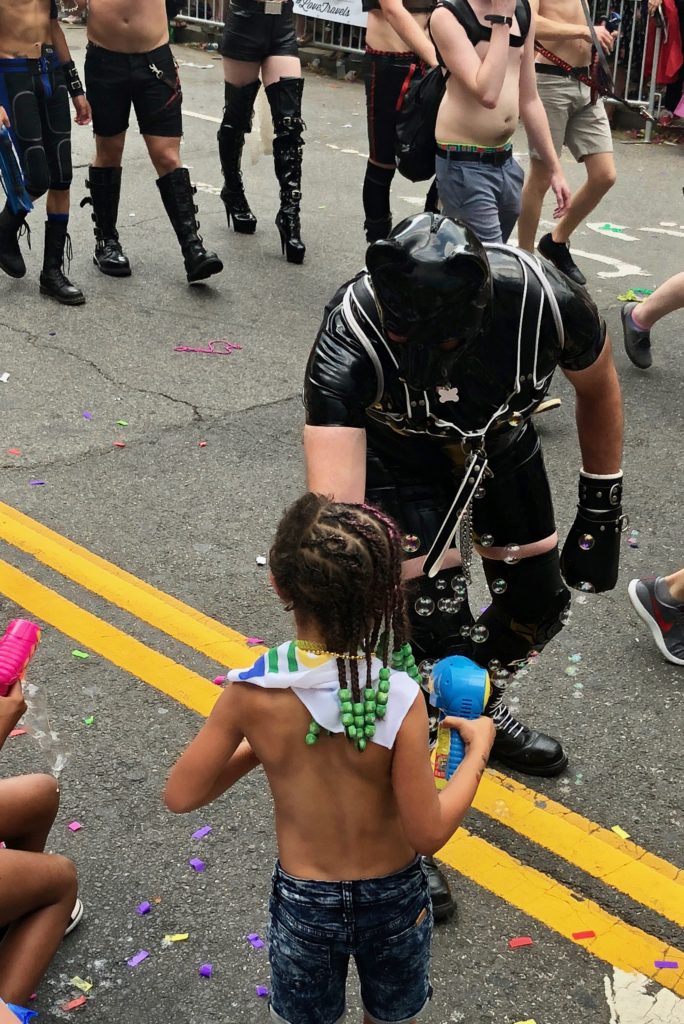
(178, 197)
(285, 99)
(105, 189)
(238, 114)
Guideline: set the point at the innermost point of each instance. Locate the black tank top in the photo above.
(412, 6)
(479, 33)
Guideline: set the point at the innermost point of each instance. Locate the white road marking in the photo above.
(413, 200)
(601, 228)
(211, 190)
(621, 269)
(665, 231)
(635, 999)
(201, 117)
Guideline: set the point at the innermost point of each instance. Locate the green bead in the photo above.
(370, 709)
(315, 728)
(384, 673)
(359, 721)
(358, 708)
(382, 699)
(344, 695)
(351, 732)
(409, 663)
(369, 692)
(361, 743)
(381, 711)
(383, 686)
(406, 650)
(397, 661)
(347, 707)
(370, 719)
(369, 730)
(347, 720)
(310, 739)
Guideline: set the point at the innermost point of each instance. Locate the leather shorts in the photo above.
(252, 35)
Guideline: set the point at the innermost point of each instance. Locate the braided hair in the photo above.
(340, 565)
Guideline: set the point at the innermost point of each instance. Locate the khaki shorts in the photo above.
(574, 120)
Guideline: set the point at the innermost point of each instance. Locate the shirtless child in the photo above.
(129, 62)
(576, 122)
(37, 76)
(488, 48)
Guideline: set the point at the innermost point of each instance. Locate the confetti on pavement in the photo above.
(620, 832)
(143, 908)
(202, 832)
(80, 983)
(138, 958)
(255, 941)
(522, 940)
(196, 864)
(75, 826)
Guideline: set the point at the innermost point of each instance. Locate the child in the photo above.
(352, 811)
(38, 902)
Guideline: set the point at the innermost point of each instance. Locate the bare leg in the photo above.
(240, 72)
(109, 150)
(601, 176)
(37, 894)
(28, 807)
(536, 186)
(164, 153)
(275, 68)
(664, 300)
(675, 584)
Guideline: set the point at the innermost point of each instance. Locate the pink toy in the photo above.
(17, 647)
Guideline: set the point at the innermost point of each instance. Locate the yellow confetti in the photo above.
(530, 1021)
(84, 986)
(180, 937)
(620, 832)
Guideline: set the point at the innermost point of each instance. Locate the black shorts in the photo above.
(35, 96)
(253, 35)
(387, 77)
(148, 81)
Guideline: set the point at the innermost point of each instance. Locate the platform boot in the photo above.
(53, 280)
(238, 115)
(178, 197)
(519, 747)
(285, 99)
(105, 189)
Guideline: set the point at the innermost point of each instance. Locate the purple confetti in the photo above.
(261, 991)
(255, 941)
(206, 971)
(202, 832)
(143, 908)
(663, 964)
(196, 864)
(87, 415)
(36, 483)
(138, 958)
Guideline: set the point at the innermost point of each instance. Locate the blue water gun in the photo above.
(460, 688)
(12, 176)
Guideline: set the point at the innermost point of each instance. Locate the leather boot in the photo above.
(285, 99)
(53, 280)
(178, 197)
(519, 747)
(237, 121)
(11, 226)
(105, 188)
(443, 904)
(377, 229)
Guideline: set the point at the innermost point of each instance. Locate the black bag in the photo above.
(416, 119)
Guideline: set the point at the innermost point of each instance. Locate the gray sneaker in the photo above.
(665, 620)
(637, 341)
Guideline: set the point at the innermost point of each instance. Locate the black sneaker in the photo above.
(558, 253)
(637, 341)
(666, 621)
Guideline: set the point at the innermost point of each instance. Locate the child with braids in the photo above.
(339, 724)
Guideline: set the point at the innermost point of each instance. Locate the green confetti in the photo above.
(89, 720)
(122, 423)
(80, 654)
(612, 227)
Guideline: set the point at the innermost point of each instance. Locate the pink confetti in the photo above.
(202, 444)
(252, 641)
(75, 826)
(13, 451)
(261, 991)
(196, 864)
(255, 941)
(218, 680)
(74, 1004)
(584, 935)
(206, 971)
(522, 940)
(119, 444)
(18, 732)
(138, 958)
(202, 832)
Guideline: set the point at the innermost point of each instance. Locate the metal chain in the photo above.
(465, 540)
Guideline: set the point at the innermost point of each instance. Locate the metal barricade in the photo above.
(204, 12)
(334, 35)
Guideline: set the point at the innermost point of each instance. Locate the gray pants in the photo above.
(485, 197)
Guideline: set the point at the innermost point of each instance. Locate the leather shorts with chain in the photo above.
(148, 82)
(253, 34)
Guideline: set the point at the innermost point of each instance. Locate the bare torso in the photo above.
(381, 36)
(128, 26)
(24, 27)
(462, 120)
(334, 805)
(576, 52)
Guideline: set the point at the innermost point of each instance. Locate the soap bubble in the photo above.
(586, 588)
(499, 586)
(586, 542)
(424, 606)
(571, 670)
(440, 583)
(486, 540)
(493, 665)
(512, 553)
(458, 585)
(448, 605)
(515, 419)
(465, 631)
(575, 659)
(410, 543)
(479, 634)
(501, 676)
(425, 668)
(566, 615)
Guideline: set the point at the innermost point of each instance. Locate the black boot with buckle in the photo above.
(238, 114)
(519, 747)
(53, 280)
(11, 227)
(285, 99)
(178, 197)
(105, 189)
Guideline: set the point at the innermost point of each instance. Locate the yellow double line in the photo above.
(618, 863)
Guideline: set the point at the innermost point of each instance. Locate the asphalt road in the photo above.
(191, 520)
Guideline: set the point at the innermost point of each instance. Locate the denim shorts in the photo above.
(384, 923)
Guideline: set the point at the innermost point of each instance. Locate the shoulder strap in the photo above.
(524, 17)
(360, 322)
(465, 16)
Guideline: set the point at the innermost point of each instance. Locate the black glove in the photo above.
(173, 8)
(591, 553)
